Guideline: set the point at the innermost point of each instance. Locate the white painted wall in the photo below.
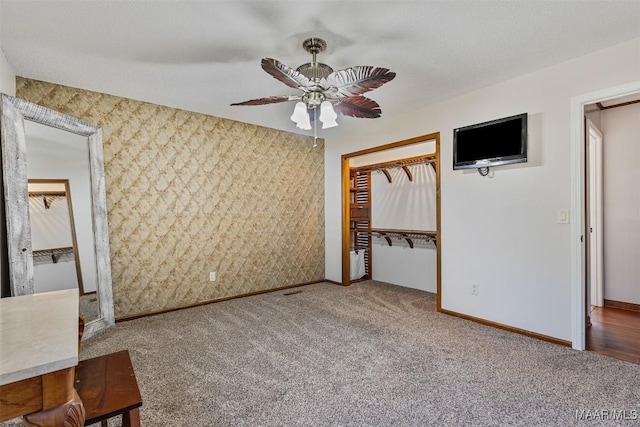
(7, 76)
(499, 231)
(621, 153)
(56, 154)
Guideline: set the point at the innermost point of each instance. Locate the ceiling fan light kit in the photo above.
(325, 92)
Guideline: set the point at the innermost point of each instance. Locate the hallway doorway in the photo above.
(612, 282)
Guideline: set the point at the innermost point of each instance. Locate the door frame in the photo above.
(578, 228)
(346, 277)
(595, 212)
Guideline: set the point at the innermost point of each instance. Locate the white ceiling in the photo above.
(202, 56)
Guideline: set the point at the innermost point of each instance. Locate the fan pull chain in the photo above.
(315, 130)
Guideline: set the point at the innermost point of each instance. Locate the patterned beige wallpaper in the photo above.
(189, 193)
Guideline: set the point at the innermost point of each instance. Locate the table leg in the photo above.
(70, 414)
(61, 405)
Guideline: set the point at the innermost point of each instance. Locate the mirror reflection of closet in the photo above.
(58, 162)
(53, 236)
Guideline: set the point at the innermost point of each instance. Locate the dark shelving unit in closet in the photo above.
(360, 216)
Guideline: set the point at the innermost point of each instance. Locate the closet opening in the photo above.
(391, 214)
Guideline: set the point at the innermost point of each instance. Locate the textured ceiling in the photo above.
(202, 56)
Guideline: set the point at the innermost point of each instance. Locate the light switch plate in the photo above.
(563, 216)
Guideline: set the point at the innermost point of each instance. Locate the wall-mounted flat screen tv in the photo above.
(497, 142)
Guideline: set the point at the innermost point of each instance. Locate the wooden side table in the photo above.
(38, 355)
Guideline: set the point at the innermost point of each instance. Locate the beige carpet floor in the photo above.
(371, 354)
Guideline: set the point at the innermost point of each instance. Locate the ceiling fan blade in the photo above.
(357, 80)
(358, 106)
(269, 100)
(286, 75)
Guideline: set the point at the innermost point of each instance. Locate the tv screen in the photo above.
(497, 142)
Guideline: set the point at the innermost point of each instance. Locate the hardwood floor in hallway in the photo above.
(615, 333)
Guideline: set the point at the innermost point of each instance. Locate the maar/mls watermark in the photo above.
(607, 414)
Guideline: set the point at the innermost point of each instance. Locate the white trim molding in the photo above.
(578, 287)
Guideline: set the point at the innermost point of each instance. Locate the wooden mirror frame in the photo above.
(13, 112)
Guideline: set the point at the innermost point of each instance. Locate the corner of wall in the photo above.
(7, 76)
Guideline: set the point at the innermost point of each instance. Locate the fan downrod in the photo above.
(314, 70)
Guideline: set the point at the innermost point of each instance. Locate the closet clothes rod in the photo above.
(48, 197)
(429, 159)
(54, 253)
(408, 235)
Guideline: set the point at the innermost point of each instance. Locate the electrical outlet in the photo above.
(212, 276)
(475, 289)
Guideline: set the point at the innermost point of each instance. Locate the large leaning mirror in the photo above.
(55, 205)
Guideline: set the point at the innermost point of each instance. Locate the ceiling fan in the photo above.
(325, 92)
